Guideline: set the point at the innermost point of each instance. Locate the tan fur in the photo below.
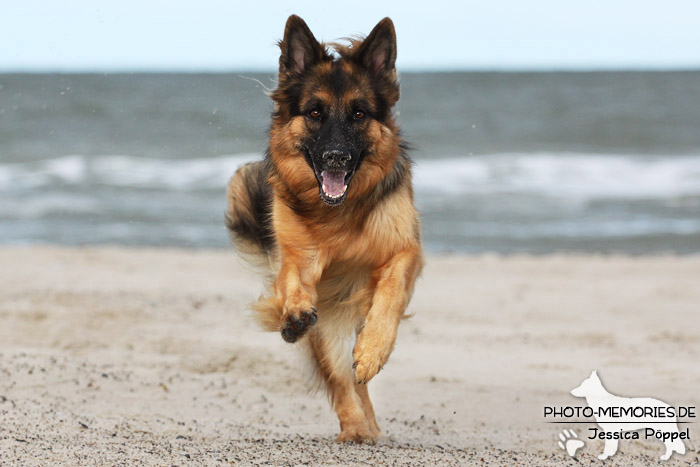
(357, 262)
(360, 281)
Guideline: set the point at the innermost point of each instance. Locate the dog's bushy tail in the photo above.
(248, 212)
(249, 222)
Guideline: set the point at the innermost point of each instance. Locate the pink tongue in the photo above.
(333, 182)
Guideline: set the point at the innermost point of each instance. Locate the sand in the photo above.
(115, 356)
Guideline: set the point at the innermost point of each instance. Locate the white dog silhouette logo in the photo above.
(607, 408)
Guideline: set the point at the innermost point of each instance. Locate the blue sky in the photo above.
(220, 35)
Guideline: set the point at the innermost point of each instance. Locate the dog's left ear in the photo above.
(378, 51)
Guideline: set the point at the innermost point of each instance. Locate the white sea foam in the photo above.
(576, 176)
(39, 205)
(571, 229)
(580, 176)
(472, 203)
(122, 171)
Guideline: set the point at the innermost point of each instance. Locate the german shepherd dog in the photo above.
(330, 210)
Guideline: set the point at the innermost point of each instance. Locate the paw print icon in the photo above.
(568, 441)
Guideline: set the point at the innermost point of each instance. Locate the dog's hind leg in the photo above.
(676, 445)
(351, 402)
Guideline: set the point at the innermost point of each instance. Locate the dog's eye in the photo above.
(358, 115)
(314, 114)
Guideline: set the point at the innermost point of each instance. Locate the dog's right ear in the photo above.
(300, 49)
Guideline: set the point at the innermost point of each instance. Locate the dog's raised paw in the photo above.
(371, 353)
(296, 326)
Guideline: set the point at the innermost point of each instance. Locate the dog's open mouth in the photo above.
(334, 185)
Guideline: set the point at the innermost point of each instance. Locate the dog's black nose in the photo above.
(336, 158)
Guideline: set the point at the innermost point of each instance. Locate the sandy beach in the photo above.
(120, 356)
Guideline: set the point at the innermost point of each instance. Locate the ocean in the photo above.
(605, 162)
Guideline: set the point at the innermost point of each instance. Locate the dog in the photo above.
(613, 427)
(330, 210)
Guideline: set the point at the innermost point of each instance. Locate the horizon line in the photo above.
(409, 70)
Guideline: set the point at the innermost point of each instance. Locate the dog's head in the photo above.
(589, 386)
(333, 113)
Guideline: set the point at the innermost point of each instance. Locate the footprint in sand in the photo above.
(570, 442)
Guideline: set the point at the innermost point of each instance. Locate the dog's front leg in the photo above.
(394, 286)
(295, 289)
(609, 449)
